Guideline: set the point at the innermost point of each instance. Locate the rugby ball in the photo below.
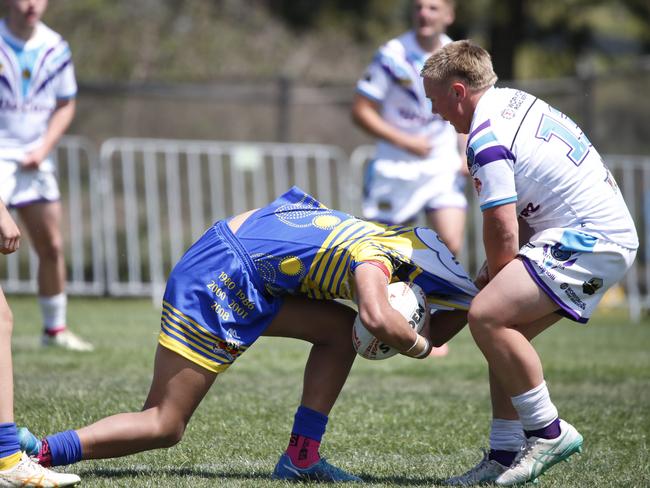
(409, 300)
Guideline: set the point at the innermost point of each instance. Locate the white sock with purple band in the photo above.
(537, 412)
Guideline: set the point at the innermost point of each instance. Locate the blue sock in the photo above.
(309, 423)
(65, 448)
(8, 439)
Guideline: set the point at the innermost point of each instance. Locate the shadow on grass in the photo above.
(137, 472)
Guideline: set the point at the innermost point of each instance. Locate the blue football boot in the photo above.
(321, 471)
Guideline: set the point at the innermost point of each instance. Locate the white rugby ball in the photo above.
(409, 300)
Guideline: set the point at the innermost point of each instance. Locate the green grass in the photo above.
(398, 422)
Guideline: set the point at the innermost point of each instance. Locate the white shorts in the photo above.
(396, 191)
(19, 188)
(575, 269)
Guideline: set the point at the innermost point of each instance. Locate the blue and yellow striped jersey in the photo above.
(299, 246)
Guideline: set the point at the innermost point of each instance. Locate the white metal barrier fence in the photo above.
(160, 195)
(78, 170)
(130, 213)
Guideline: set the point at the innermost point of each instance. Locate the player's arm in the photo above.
(57, 125)
(500, 236)
(366, 113)
(382, 320)
(9, 232)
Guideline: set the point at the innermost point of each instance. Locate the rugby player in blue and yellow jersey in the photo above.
(276, 271)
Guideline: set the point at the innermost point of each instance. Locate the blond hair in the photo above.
(462, 60)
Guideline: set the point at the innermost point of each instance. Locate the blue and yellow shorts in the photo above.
(215, 306)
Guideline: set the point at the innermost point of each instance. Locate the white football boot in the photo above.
(486, 471)
(27, 473)
(67, 340)
(540, 454)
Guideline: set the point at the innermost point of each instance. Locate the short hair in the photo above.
(462, 60)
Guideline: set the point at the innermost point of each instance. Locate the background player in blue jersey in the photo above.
(16, 468)
(37, 104)
(276, 271)
(417, 163)
(557, 235)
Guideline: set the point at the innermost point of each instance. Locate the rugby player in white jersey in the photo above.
(37, 104)
(417, 162)
(557, 235)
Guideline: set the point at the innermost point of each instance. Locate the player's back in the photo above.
(560, 179)
(298, 245)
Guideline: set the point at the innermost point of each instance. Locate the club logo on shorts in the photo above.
(590, 287)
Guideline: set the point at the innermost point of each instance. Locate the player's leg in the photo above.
(327, 325)
(513, 298)
(449, 224)
(42, 221)
(506, 431)
(17, 469)
(177, 388)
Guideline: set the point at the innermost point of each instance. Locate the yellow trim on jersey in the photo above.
(214, 366)
(446, 303)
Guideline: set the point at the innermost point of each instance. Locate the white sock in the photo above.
(506, 435)
(535, 408)
(53, 309)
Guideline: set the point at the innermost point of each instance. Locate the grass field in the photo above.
(398, 422)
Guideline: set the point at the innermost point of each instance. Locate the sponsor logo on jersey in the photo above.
(513, 105)
(590, 287)
(529, 209)
(573, 296)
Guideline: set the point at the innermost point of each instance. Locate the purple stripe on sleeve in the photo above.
(568, 311)
(478, 129)
(491, 154)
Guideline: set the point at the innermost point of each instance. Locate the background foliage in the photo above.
(325, 40)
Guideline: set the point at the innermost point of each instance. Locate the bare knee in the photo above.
(166, 431)
(481, 320)
(51, 250)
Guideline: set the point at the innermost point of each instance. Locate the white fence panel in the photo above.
(78, 175)
(160, 195)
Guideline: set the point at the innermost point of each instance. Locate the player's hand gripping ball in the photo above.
(410, 301)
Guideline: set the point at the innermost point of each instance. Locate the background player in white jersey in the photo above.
(276, 271)
(417, 162)
(16, 468)
(37, 104)
(542, 184)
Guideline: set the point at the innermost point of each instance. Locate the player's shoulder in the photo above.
(50, 38)
(501, 111)
(395, 48)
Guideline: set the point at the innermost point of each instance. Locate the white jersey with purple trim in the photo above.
(520, 149)
(393, 80)
(33, 76)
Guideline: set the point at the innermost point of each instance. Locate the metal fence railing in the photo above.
(134, 206)
(160, 195)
